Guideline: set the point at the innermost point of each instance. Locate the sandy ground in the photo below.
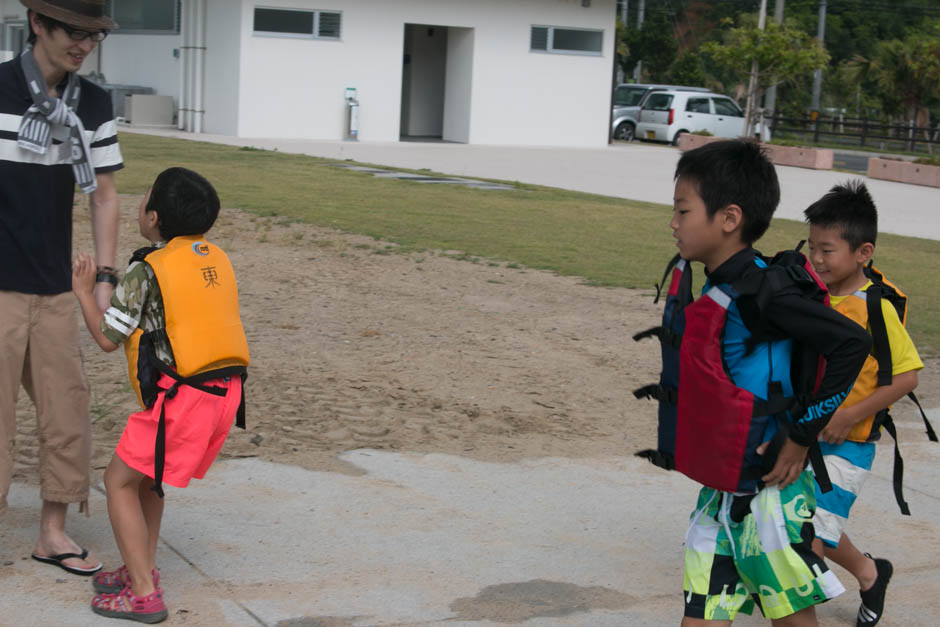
(357, 345)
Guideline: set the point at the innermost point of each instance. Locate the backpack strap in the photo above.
(669, 266)
(898, 476)
(881, 347)
(141, 253)
(658, 458)
(931, 435)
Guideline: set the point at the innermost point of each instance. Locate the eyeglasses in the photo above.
(76, 34)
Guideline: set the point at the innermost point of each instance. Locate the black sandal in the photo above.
(59, 560)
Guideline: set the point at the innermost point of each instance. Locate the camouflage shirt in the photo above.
(136, 302)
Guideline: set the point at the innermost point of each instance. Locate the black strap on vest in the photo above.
(658, 458)
(669, 266)
(881, 348)
(666, 336)
(147, 354)
(141, 253)
(662, 394)
(898, 478)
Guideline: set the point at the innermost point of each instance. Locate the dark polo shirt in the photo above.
(37, 191)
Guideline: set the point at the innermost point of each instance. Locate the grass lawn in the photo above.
(608, 241)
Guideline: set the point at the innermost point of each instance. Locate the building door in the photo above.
(436, 80)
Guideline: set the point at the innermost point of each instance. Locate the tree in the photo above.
(906, 72)
(654, 44)
(783, 53)
(686, 70)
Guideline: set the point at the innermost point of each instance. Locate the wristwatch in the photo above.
(106, 274)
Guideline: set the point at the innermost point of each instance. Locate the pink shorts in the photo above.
(197, 424)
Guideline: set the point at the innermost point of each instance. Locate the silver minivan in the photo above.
(665, 115)
(627, 100)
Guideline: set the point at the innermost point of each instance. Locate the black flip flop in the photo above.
(59, 560)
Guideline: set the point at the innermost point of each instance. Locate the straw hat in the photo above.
(82, 14)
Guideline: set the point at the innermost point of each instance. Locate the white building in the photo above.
(523, 72)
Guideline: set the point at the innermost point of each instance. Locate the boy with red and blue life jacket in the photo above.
(843, 226)
(176, 313)
(735, 412)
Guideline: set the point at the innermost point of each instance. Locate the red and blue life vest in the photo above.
(727, 386)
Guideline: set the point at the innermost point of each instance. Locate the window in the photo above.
(723, 106)
(14, 36)
(628, 96)
(658, 102)
(144, 16)
(698, 105)
(566, 40)
(297, 23)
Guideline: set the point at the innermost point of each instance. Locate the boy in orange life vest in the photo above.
(843, 226)
(179, 300)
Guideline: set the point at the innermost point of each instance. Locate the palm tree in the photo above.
(906, 73)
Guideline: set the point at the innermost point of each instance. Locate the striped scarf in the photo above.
(36, 127)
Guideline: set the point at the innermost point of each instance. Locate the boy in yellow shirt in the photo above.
(843, 226)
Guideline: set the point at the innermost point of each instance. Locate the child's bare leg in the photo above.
(152, 506)
(804, 618)
(850, 558)
(129, 524)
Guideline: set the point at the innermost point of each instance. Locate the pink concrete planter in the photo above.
(798, 156)
(904, 172)
(688, 141)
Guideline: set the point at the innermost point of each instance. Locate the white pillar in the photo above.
(199, 61)
(185, 26)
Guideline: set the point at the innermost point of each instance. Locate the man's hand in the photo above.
(839, 426)
(789, 464)
(83, 275)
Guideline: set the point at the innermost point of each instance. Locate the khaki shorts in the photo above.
(39, 348)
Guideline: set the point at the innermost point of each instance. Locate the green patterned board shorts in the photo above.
(742, 550)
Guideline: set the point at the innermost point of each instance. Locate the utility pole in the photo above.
(641, 12)
(752, 84)
(817, 75)
(624, 8)
(770, 100)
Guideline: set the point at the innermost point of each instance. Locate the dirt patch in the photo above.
(355, 345)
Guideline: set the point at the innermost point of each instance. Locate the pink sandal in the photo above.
(112, 581)
(125, 604)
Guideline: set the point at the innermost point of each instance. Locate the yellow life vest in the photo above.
(200, 302)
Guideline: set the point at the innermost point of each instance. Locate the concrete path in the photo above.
(406, 539)
(636, 170)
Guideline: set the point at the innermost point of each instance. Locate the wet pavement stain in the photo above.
(518, 602)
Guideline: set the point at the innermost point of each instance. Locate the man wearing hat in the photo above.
(57, 130)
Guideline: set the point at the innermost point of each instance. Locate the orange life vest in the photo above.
(200, 302)
(855, 307)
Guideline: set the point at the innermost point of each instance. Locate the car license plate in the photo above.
(650, 134)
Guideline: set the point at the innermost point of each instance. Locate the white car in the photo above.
(667, 114)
